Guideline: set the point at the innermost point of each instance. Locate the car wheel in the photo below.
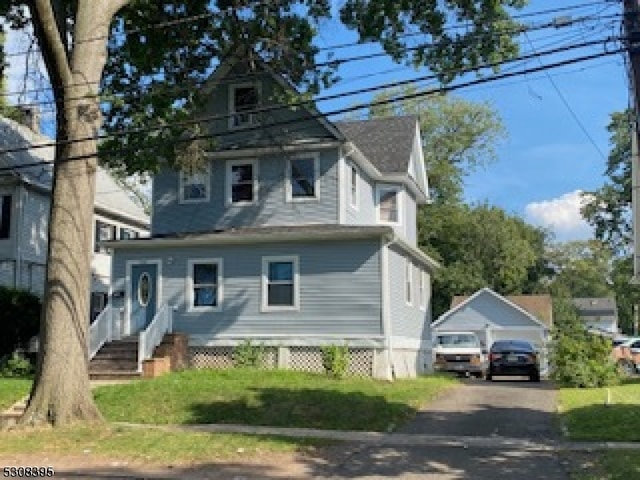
(489, 377)
(534, 377)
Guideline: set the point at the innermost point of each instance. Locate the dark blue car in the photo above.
(514, 357)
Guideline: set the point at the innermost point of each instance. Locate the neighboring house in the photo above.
(598, 314)
(494, 317)
(295, 233)
(25, 187)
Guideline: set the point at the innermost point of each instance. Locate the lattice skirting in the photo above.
(222, 357)
(301, 358)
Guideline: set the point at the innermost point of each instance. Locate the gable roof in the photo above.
(386, 142)
(35, 167)
(537, 307)
(596, 306)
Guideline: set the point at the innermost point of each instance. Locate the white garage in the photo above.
(494, 317)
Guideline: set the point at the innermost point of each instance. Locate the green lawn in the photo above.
(601, 414)
(12, 390)
(276, 398)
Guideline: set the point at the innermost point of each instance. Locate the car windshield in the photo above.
(458, 340)
(512, 345)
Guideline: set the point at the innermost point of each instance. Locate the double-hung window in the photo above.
(244, 99)
(242, 182)
(409, 282)
(388, 204)
(195, 185)
(280, 283)
(353, 186)
(303, 178)
(424, 292)
(204, 290)
(5, 216)
(104, 233)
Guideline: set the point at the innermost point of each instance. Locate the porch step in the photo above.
(115, 375)
(11, 416)
(116, 360)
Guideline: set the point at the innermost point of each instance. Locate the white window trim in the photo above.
(316, 171)
(383, 187)
(423, 290)
(229, 177)
(265, 307)
(409, 291)
(354, 200)
(181, 185)
(190, 285)
(232, 105)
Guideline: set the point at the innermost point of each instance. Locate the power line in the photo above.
(313, 117)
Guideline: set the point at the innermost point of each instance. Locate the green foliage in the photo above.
(580, 269)
(19, 318)
(578, 358)
(248, 355)
(15, 366)
(480, 246)
(335, 360)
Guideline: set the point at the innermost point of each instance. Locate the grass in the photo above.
(275, 398)
(278, 398)
(146, 445)
(12, 390)
(602, 414)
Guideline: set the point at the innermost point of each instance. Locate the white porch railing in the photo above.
(151, 336)
(105, 328)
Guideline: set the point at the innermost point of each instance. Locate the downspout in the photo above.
(385, 242)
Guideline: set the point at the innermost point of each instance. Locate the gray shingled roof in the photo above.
(595, 307)
(386, 142)
(109, 196)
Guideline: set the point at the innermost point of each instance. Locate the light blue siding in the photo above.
(407, 320)
(272, 208)
(340, 288)
(365, 213)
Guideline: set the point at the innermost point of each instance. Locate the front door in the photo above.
(144, 281)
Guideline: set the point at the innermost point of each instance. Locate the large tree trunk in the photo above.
(61, 393)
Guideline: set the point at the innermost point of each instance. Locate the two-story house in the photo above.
(296, 233)
(25, 187)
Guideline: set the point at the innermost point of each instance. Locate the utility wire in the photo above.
(314, 116)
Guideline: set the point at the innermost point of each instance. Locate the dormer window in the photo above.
(194, 185)
(388, 204)
(243, 102)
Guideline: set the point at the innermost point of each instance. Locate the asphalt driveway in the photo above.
(479, 409)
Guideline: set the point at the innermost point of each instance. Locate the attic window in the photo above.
(388, 204)
(243, 102)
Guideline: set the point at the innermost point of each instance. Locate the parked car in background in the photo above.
(514, 357)
(459, 352)
(627, 355)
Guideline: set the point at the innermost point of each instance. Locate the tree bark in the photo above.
(61, 392)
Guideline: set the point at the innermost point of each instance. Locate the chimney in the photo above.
(31, 118)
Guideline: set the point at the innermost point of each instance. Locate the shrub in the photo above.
(19, 319)
(15, 365)
(579, 358)
(335, 360)
(248, 355)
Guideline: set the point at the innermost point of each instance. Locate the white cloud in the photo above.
(561, 215)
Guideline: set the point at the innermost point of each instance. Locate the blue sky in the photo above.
(547, 158)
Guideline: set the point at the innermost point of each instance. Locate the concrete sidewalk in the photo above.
(397, 439)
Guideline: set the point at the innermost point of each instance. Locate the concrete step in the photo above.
(99, 364)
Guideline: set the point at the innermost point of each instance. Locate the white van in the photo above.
(459, 352)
